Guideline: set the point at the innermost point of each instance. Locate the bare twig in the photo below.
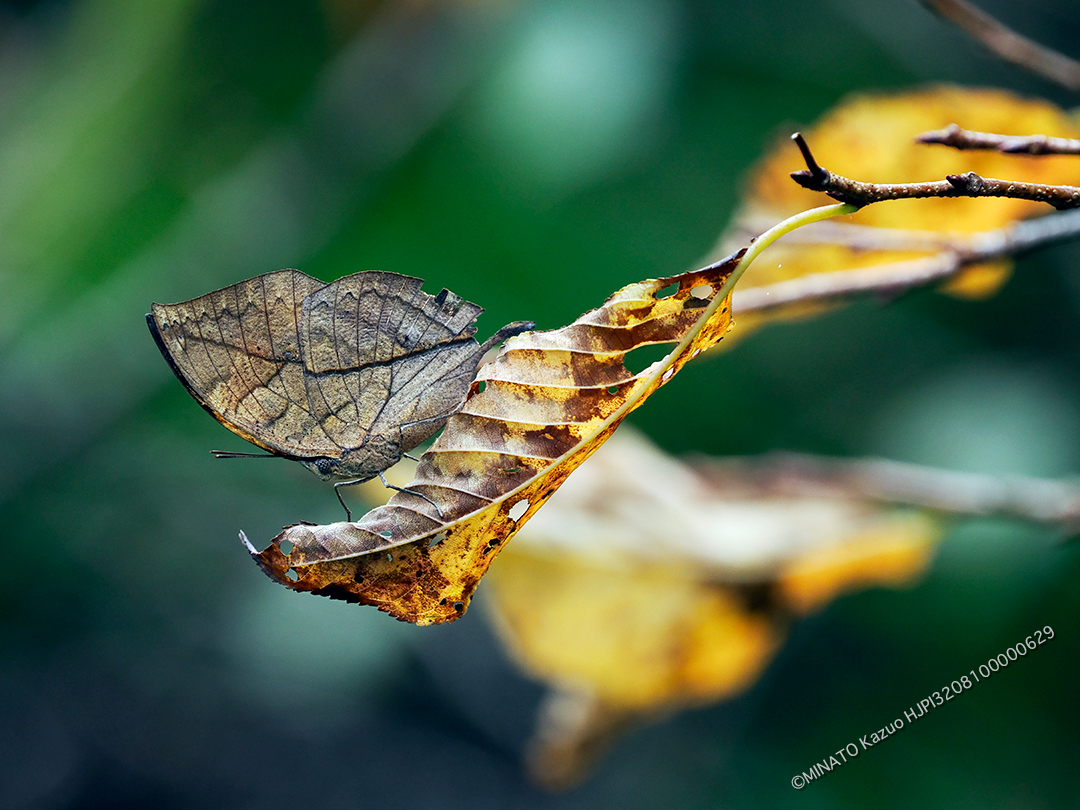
(886, 280)
(1007, 44)
(793, 474)
(959, 138)
(969, 184)
(954, 253)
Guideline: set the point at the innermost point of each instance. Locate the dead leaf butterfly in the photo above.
(344, 377)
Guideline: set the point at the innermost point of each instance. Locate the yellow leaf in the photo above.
(893, 553)
(871, 138)
(635, 635)
(644, 587)
(546, 403)
(638, 581)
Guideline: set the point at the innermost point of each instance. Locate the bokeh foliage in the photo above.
(531, 157)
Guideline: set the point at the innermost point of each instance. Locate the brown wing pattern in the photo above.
(380, 353)
(237, 350)
(310, 370)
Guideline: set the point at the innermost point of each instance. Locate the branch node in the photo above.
(959, 138)
(1032, 145)
(952, 136)
(818, 173)
(968, 182)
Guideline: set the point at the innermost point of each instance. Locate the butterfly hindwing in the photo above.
(312, 370)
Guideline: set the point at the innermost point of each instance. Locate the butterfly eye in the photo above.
(325, 466)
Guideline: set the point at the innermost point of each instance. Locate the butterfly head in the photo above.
(325, 468)
(377, 453)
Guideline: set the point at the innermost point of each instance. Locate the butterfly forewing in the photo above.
(237, 350)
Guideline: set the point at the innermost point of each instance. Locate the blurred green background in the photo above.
(533, 157)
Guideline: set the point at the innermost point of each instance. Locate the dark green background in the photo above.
(532, 157)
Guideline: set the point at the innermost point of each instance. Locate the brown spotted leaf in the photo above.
(547, 402)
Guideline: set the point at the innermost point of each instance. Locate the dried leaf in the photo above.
(893, 553)
(639, 552)
(342, 377)
(643, 588)
(871, 137)
(546, 404)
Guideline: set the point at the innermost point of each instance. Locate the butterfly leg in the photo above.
(388, 485)
(348, 512)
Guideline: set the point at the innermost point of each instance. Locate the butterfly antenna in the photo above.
(232, 454)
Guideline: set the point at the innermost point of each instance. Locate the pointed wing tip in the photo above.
(247, 544)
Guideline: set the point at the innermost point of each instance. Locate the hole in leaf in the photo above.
(389, 557)
(519, 509)
(481, 386)
(701, 291)
(285, 547)
(434, 541)
(613, 389)
(459, 607)
(667, 291)
(641, 357)
(291, 574)
(386, 533)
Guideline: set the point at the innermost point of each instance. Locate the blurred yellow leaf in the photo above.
(872, 138)
(893, 553)
(644, 587)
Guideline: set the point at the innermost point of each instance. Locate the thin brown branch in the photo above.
(954, 252)
(858, 193)
(793, 474)
(1007, 44)
(886, 281)
(959, 138)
